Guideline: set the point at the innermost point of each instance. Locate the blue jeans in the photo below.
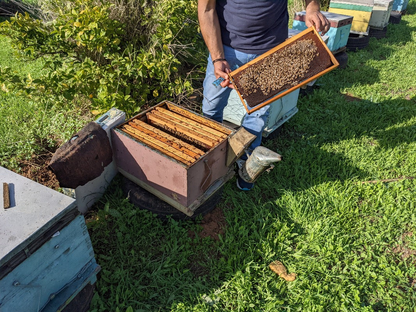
(216, 98)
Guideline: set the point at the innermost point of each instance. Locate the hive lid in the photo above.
(260, 81)
(34, 208)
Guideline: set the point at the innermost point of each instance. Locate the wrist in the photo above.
(218, 60)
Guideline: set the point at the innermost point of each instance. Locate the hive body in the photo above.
(359, 10)
(46, 255)
(381, 13)
(338, 33)
(400, 5)
(182, 170)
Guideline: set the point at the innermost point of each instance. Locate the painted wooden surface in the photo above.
(47, 271)
(338, 33)
(361, 19)
(381, 13)
(180, 182)
(34, 208)
(280, 111)
(400, 5)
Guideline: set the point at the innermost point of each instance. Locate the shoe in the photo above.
(243, 185)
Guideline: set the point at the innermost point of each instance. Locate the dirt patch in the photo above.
(213, 224)
(36, 169)
(403, 250)
(351, 98)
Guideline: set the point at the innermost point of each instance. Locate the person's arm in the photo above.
(314, 17)
(210, 29)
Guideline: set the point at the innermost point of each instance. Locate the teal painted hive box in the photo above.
(46, 255)
(338, 33)
(280, 111)
(400, 5)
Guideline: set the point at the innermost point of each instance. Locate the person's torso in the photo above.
(253, 26)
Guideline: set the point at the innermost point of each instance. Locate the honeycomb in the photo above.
(282, 69)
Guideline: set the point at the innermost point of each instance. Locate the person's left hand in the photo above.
(315, 18)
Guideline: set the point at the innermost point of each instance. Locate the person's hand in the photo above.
(315, 18)
(222, 69)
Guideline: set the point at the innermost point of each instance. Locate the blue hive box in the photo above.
(400, 5)
(46, 255)
(338, 33)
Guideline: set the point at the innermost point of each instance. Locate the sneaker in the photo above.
(243, 185)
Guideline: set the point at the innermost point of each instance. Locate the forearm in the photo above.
(210, 28)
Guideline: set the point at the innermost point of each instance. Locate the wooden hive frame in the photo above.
(309, 33)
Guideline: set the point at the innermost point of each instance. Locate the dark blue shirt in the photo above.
(253, 26)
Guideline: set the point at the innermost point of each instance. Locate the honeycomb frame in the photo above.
(323, 63)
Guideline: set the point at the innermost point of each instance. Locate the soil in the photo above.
(36, 169)
(213, 224)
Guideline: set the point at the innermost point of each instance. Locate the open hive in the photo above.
(297, 61)
(176, 132)
(173, 153)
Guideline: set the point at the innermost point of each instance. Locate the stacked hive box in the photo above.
(360, 10)
(46, 256)
(400, 5)
(338, 33)
(381, 14)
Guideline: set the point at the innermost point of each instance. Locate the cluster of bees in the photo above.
(283, 67)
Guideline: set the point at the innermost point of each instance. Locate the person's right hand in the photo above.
(222, 69)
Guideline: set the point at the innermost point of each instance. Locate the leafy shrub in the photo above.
(103, 53)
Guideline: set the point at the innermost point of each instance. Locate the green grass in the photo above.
(28, 128)
(352, 244)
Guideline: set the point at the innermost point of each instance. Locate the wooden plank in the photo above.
(6, 196)
(203, 120)
(187, 126)
(157, 145)
(192, 123)
(174, 143)
(203, 141)
(169, 137)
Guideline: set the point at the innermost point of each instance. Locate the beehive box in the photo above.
(175, 154)
(381, 13)
(360, 10)
(285, 68)
(280, 111)
(338, 33)
(400, 5)
(46, 256)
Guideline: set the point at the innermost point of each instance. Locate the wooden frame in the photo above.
(310, 30)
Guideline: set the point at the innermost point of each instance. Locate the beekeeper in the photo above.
(236, 32)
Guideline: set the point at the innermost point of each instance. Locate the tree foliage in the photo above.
(123, 53)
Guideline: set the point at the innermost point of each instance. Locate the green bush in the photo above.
(124, 54)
